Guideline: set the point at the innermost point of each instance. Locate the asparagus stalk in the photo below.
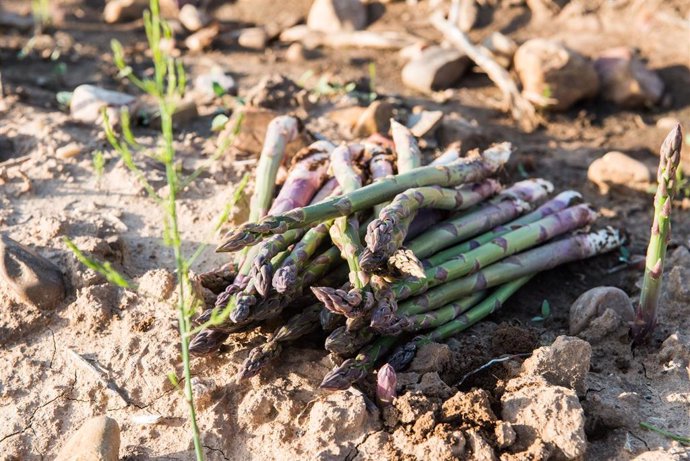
(472, 170)
(439, 316)
(558, 203)
(384, 233)
(449, 156)
(380, 166)
(297, 326)
(248, 298)
(305, 178)
(669, 159)
(409, 155)
(403, 355)
(386, 382)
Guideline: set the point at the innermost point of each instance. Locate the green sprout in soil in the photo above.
(166, 87)
(669, 159)
(103, 268)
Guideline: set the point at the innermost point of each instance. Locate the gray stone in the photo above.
(204, 83)
(434, 69)
(88, 101)
(618, 169)
(564, 363)
(192, 18)
(337, 15)
(553, 76)
(254, 38)
(98, 439)
(626, 80)
(600, 312)
(35, 279)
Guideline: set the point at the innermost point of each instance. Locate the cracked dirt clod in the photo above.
(98, 439)
(31, 276)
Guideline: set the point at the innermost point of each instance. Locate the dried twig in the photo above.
(521, 109)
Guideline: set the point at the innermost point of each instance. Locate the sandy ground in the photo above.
(49, 381)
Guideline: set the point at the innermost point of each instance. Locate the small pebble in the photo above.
(31, 276)
(295, 53)
(192, 18)
(68, 151)
(98, 439)
(254, 38)
(375, 119)
(618, 169)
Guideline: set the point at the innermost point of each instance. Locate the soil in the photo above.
(48, 385)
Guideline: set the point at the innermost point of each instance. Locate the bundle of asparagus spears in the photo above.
(369, 246)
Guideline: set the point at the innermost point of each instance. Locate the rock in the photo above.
(471, 407)
(435, 69)
(501, 47)
(505, 434)
(254, 38)
(447, 446)
(295, 53)
(480, 448)
(456, 129)
(564, 363)
(372, 446)
(412, 405)
(337, 15)
(98, 439)
(600, 313)
(433, 386)
(551, 413)
(424, 424)
(626, 80)
(68, 151)
(32, 277)
(429, 358)
(375, 119)
(192, 18)
(204, 83)
(425, 123)
(123, 10)
(657, 455)
(185, 112)
(88, 101)
(553, 76)
(202, 38)
(618, 169)
(678, 288)
(274, 92)
(546, 9)
(467, 15)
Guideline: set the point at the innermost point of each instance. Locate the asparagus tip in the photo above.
(258, 358)
(386, 382)
(348, 373)
(207, 341)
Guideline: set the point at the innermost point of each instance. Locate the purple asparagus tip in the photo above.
(262, 279)
(243, 307)
(285, 278)
(371, 262)
(386, 382)
(352, 304)
(407, 263)
(258, 358)
(348, 373)
(402, 356)
(207, 342)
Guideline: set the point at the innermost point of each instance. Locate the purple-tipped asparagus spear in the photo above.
(669, 159)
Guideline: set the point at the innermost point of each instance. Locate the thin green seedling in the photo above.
(678, 438)
(98, 164)
(103, 268)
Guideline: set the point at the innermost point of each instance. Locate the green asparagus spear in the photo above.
(669, 159)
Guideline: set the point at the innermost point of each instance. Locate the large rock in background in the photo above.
(618, 169)
(337, 15)
(626, 80)
(435, 68)
(98, 439)
(553, 76)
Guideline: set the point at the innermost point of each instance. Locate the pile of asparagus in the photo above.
(369, 246)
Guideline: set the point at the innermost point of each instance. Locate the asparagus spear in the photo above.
(286, 276)
(248, 298)
(297, 326)
(403, 355)
(409, 155)
(386, 382)
(385, 232)
(306, 176)
(452, 175)
(380, 166)
(439, 316)
(558, 203)
(669, 159)
(355, 369)
(449, 156)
